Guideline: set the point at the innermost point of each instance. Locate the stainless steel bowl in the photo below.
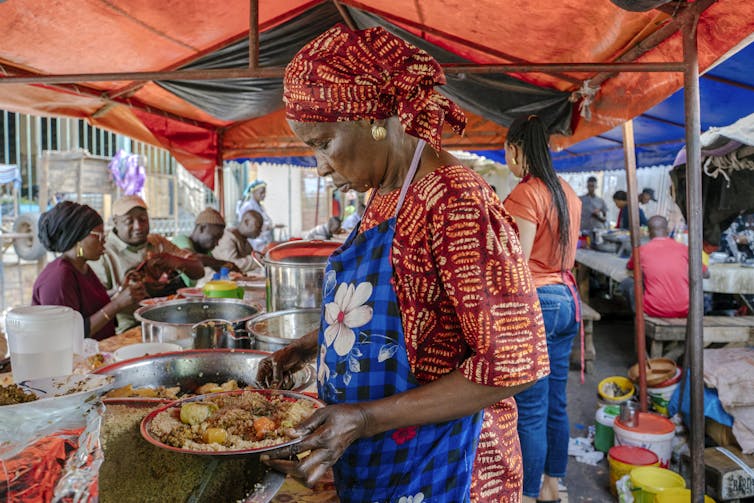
(193, 368)
(273, 331)
(172, 321)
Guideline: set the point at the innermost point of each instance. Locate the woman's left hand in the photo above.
(327, 434)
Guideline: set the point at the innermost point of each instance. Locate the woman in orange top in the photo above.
(547, 212)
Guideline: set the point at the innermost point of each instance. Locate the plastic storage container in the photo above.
(623, 458)
(649, 481)
(604, 437)
(652, 431)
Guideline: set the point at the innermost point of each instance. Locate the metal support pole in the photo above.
(220, 179)
(694, 333)
(253, 34)
(629, 152)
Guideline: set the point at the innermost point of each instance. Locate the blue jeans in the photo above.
(542, 415)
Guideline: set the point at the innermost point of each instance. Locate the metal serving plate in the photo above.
(193, 368)
(174, 408)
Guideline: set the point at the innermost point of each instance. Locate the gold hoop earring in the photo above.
(379, 133)
(514, 161)
(80, 251)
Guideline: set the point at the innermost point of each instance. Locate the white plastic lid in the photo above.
(38, 317)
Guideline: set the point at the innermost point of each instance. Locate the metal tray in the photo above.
(193, 368)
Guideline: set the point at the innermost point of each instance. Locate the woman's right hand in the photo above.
(274, 370)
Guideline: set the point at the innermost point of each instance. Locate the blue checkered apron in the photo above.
(364, 358)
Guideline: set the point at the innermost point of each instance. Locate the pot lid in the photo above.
(294, 251)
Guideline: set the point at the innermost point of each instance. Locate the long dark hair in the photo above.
(530, 135)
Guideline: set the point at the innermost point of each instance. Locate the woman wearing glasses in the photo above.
(76, 231)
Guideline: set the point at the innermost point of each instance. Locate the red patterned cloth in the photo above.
(345, 75)
(467, 301)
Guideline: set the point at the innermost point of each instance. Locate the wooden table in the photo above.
(730, 278)
(724, 278)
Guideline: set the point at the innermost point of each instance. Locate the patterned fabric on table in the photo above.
(363, 357)
(467, 301)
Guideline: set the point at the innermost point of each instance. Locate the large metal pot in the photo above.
(273, 331)
(193, 368)
(172, 321)
(295, 273)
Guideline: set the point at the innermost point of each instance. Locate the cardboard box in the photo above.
(721, 434)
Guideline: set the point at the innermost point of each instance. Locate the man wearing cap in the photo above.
(648, 201)
(252, 200)
(208, 229)
(593, 208)
(234, 245)
(129, 244)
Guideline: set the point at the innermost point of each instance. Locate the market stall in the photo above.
(201, 136)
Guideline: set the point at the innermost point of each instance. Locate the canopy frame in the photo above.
(684, 19)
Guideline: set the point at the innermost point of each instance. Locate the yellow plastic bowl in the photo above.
(623, 383)
(649, 481)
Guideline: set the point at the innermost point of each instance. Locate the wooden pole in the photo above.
(694, 333)
(629, 152)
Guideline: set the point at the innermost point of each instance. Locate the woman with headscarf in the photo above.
(76, 232)
(252, 200)
(548, 214)
(429, 311)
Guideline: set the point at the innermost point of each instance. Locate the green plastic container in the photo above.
(604, 436)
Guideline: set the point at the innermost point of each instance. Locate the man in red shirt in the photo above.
(665, 268)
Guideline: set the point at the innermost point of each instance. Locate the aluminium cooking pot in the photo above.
(295, 272)
(273, 331)
(172, 321)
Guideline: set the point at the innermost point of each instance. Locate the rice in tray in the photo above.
(231, 422)
(135, 470)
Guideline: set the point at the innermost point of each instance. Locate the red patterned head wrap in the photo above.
(345, 75)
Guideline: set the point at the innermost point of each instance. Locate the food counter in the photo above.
(55, 448)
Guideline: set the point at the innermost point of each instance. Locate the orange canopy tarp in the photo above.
(91, 36)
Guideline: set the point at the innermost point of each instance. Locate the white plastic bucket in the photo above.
(660, 398)
(604, 419)
(652, 432)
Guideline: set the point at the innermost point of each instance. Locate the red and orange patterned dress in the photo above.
(467, 302)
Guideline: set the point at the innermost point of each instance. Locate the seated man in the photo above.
(130, 246)
(209, 227)
(324, 232)
(665, 270)
(620, 198)
(234, 246)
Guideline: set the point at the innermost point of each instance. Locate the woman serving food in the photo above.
(430, 314)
